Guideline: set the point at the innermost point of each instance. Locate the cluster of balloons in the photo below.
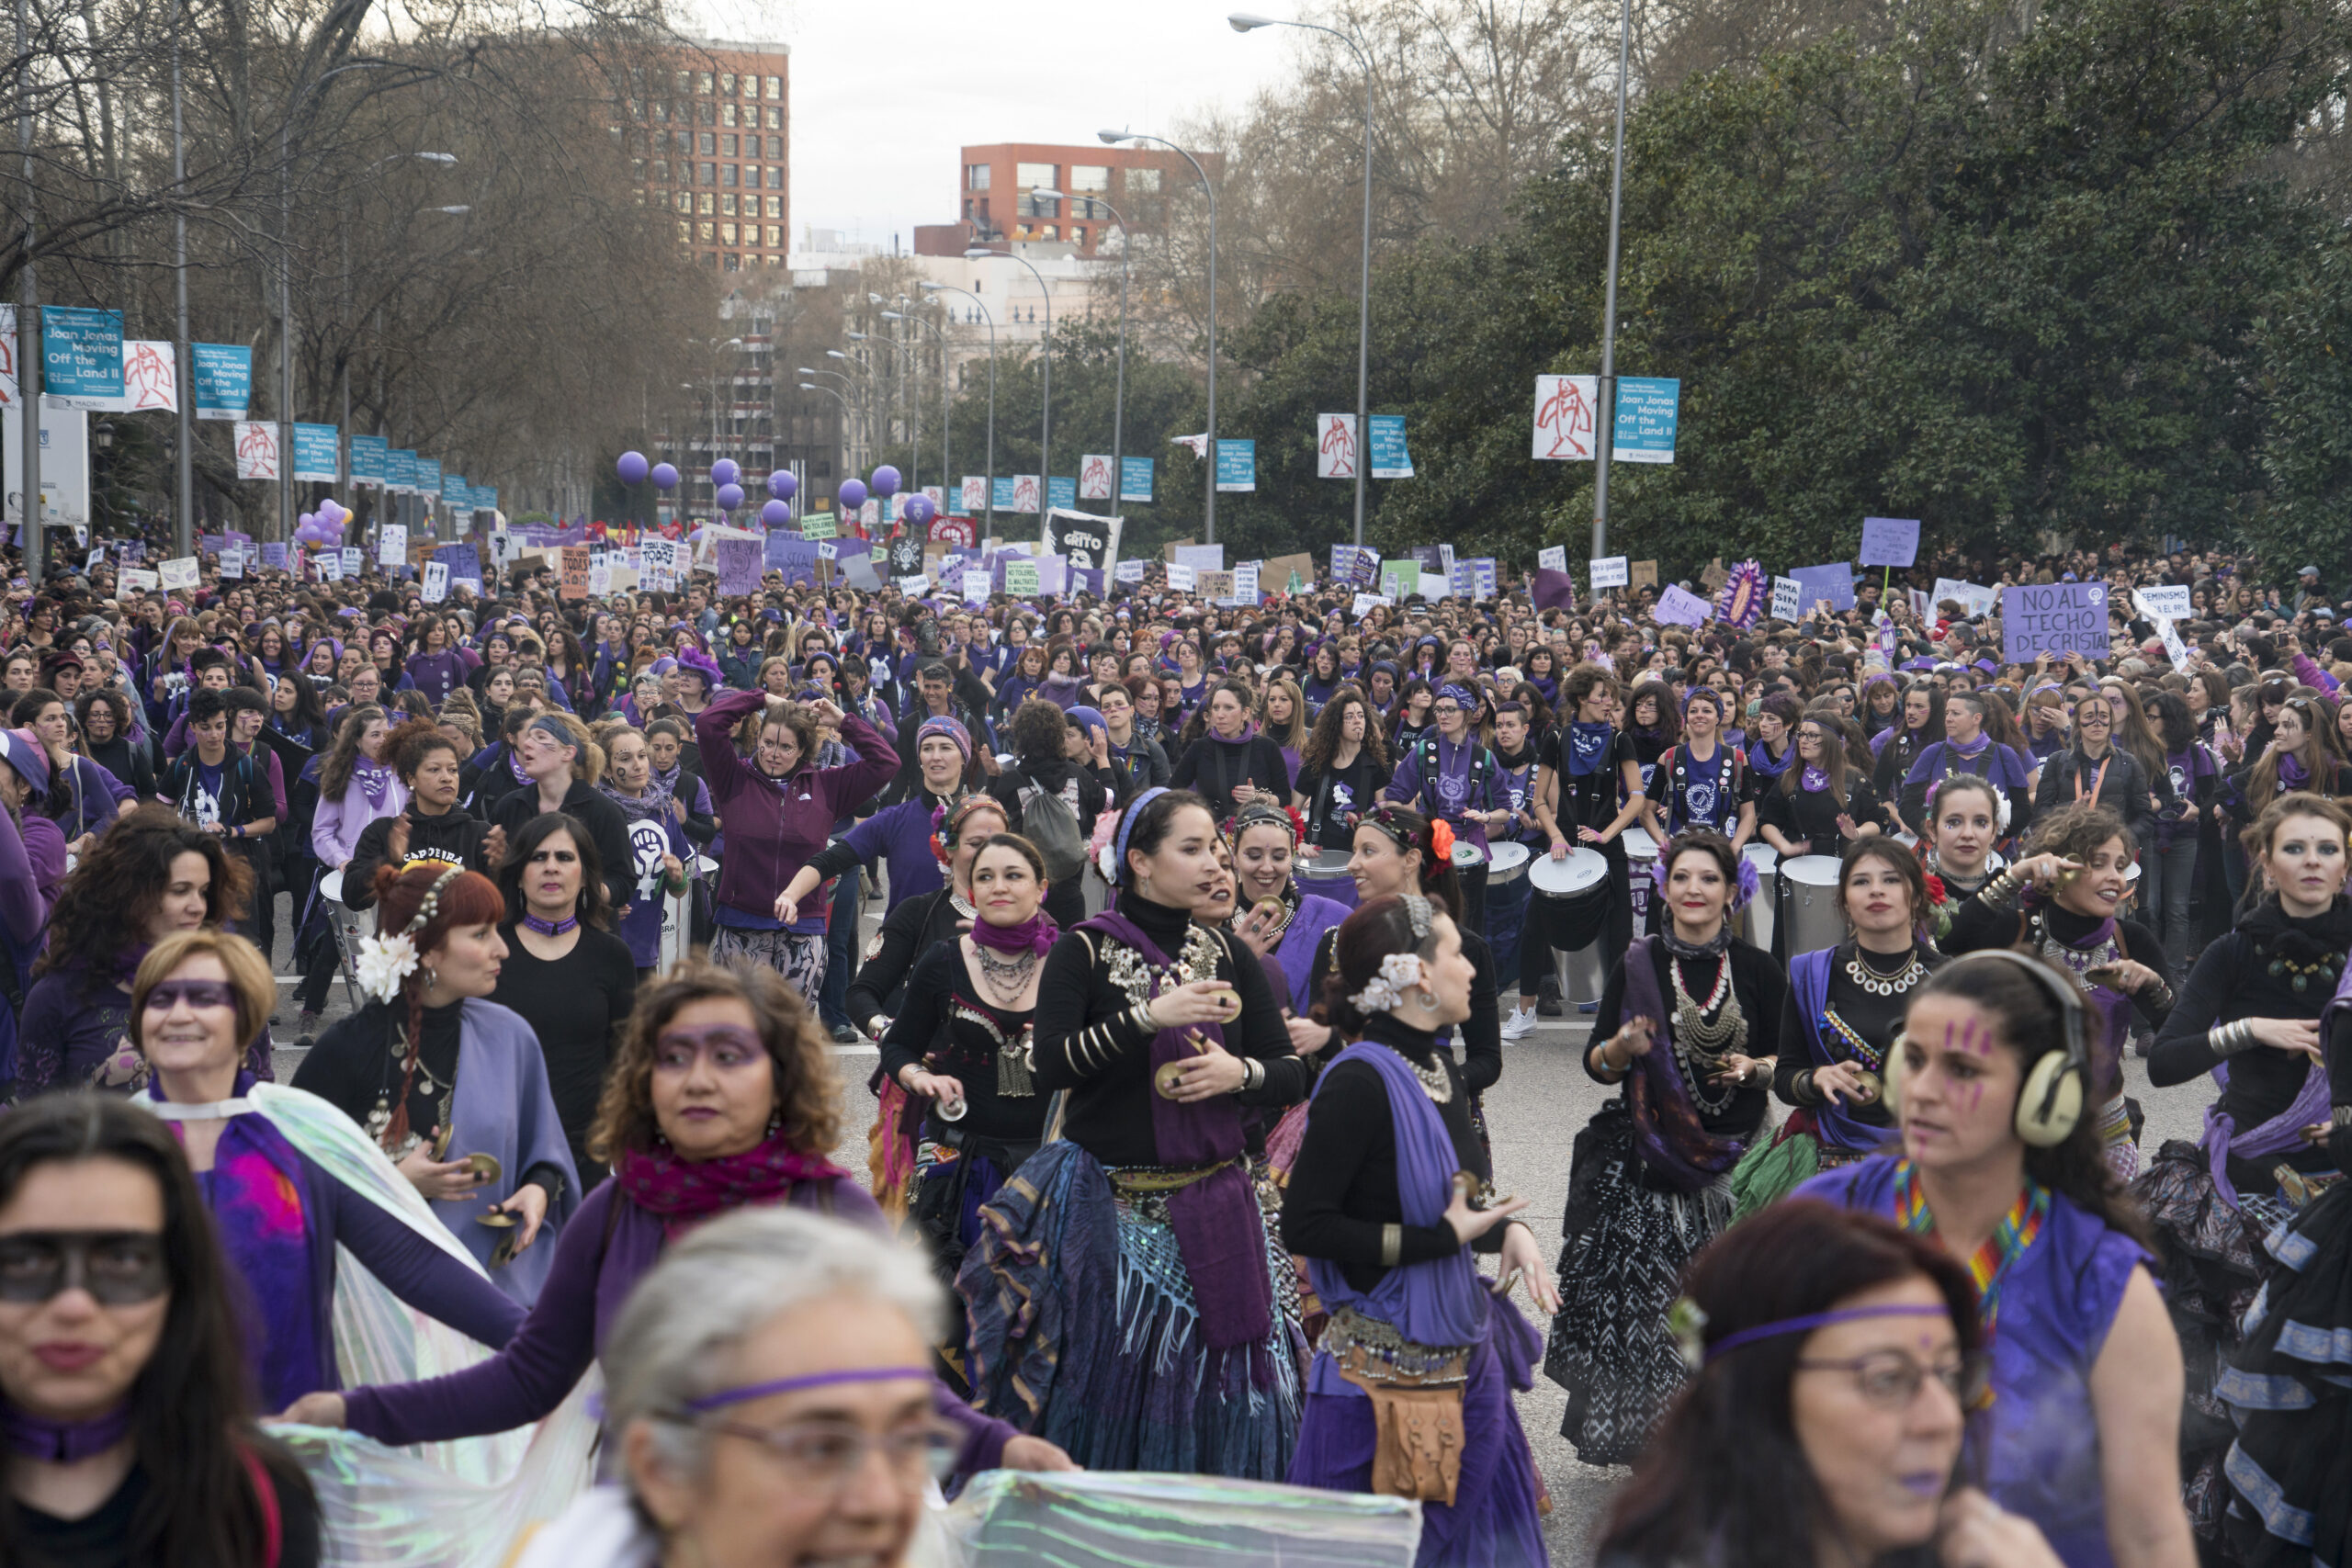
(728, 476)
(323, 527)
(634, 470)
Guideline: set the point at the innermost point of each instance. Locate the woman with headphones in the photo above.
(2001, 1162)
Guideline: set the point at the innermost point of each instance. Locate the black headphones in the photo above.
(2057, 1083)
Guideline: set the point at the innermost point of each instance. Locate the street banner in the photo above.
(1389, 458)
(224, 379)
(1094, 477)
(1565, 428)
(81, 354)
(314, 452)
(1890, 541)
(1237, 465)
(1062, 490)
(1135, 478)
(257, 449)
(150, 377)
(1026, 491)
(1647, 407)
(2056, 618)
(1335, 446)
(371, 460)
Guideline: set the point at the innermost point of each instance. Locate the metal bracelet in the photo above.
(2226, 1039)
(2340, 1116)
(2001, 893)
(1392, 1246)
(1139, 1016)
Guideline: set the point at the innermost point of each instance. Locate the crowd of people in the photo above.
(1205, 931)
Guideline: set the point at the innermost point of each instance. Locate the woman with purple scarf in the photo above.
(1690, 1024)
(2249, 1015)
(2060, 902)
(961, 1050)
(1410, 1389)
(1161, 1031)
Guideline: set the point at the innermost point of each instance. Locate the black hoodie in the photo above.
(454, 837)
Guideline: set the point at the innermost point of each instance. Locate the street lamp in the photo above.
(1242, 22)
(989, 505)
(1604, 443)
(914, 464)
(1046, 397)
(862, 385)
(1113, 139)
(947, 464)
(813, 387)
(1119, 388)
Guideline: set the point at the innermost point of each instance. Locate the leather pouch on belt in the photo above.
(1417, 1450)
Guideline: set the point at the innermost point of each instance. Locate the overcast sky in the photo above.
(885, 91)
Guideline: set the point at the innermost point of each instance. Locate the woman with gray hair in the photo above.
(752, 1377)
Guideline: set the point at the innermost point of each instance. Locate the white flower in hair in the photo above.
(384, 962)
(1398, 972)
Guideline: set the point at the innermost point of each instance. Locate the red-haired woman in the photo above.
(441, 1077)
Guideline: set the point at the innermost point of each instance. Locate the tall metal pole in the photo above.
(1605, 416)
(183, 519)
(1364, 314)
(286, 325)
(28, 359)
(1045, 400)
(988, 506)
(1208, 508)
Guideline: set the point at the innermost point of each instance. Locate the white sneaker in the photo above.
(1520, 1024)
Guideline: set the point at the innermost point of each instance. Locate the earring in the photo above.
(431, 977)
(1428, 1000)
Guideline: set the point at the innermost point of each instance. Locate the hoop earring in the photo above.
(1428, 1000)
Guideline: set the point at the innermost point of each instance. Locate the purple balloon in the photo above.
(776, 513)
(886, 481)
(304, 521)
(852, 494)
(632, 468)
(920, 510)
(782, 485)
(725, 471)
(664, 476)
(730, 496)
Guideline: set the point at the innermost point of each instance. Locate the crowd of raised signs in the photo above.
(1194, 920)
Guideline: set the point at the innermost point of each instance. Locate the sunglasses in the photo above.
(117, 1268)
(198, 994)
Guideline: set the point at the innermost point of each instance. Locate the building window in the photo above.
(1140, 180)
(661, 169)
(708, 205)
(685, 81)
(1093, 177)
(726, 145)
(1050, 232)
(776, 176)
(727, 114)
(726, 205)
(709, 144)
(726, 85)
(775, 119)
(727, 175)
(775, 207)
(1028, 206)
(637, 169)
(685, 232)
(1076, 236)
(706, 231)
(710, 174)
(704, 112)
(683, 140)
(1028, 176)
(776, 236)
(776, 146)
(726, 233)
(976, 177)
(685, 201)
(775, 86)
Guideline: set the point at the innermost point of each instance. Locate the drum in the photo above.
(1641, 852)
(1467, 856)
(1576, 891)
(1325, 874)
(350, 928)
(1755, 922)
(1506, 862)
(1814, 917)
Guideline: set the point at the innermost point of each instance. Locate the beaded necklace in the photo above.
(1991, 1262)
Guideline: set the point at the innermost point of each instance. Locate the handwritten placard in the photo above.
(1553, 558)
(391, 545)
(2163, 604)
(179, 572)
(1021, 577)
(2056, 618)
(1181, 576)
(1609, 571)
(1788, 599)
(1644, 575)
(573, 578)
(1890, 541)
(1679, 606)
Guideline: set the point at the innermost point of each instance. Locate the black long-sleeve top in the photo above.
(1979, 925)
(1342, 1188)
(1215, 768)
(1812, 815)
(601, 818)
(2231, 980)
(1481, 1035)
(1087, 1044)
(949, 1021)
(1759, 989)
(455, 836)
(908, 932)
(1065, 899)
(1873, 1016)
(577, 1005)
(2125, 789)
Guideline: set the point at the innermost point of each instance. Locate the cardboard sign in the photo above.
(1890, 541)
(1218, 585)
(437, 581)
(1788, 599)
(1609, 571)
(1679, 606)
(1282, 569)
(1644, 575)
(2056, 618)
(1181, 576)
(181, 571)
(2163, 604)
(572, 582)
(1553, 558)
(391, 545)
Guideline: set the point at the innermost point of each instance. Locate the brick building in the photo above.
(709, 135)
(996, 209)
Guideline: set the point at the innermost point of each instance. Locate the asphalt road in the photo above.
(1533, 1115)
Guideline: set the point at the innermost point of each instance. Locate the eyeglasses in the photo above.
(724, 1046)
(1891, 1380)
(198, 995)
(117, 1268)
(826, 1454)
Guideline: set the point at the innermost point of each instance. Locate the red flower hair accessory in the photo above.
(1935, 893)
(1441, 838)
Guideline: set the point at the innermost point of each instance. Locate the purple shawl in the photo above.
(1296, 952)
(1840, 1128)
(1667, 1131)
(1219, 1232)
(503, 1107)
(1437, 1302)
(2281, 1133)
(2112, 1008)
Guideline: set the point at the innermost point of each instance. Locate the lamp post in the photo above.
(946, 465)
(1119, 386)
(1046, 358)
(1605, 416)
(914, 464)
(863, 386)
(1242, 22)
(814, 387)
(1113, 139)
(989, 505)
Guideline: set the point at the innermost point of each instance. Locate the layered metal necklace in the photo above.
(1699, 1046)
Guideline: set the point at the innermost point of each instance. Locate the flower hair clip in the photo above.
(384, 962)
(1386, 989)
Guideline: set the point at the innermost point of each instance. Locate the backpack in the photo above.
(1047, 821)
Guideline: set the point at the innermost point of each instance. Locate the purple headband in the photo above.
(1743, 888)
(1127, 826)
(726, 1397)
(1817, 1320)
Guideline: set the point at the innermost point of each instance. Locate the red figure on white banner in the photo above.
(1335, 453)
(1094, 478)
(148, 376)
(1564, 417)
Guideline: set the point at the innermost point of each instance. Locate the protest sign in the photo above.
(1609, 571)
(975, 587)
(1890, 541)
(1642, 574)
(179, 572)
(1245, 583)
(1021, 579)
(131, 577)
(1181, 576)
(1553, 558)
(1400, 577)
(1681, 607)
(2163, 604)
(391, 545)
(1282, 569)
(1788, 599)
(1215, 585)
(437, 581)
(1833, 581)
(573, 579)
(1089, 542)
(1366, 601)
(2056, 618)
(1128, 572)
(1201, 558)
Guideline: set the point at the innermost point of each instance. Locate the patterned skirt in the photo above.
(1085, 1330)
(1628, 1245)
(798, 956)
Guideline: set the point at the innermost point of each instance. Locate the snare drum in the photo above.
(1506, 862)
(1574, 890)
(1756, 919)
(1814, 921)
(1640, 854)
(1325, 874)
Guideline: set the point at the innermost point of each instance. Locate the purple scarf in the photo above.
(1034, 934)
(1667, 1131)
(2112, 1007)
(1439, 1302)
(375, 780)
(1219, 1232)
(685, 1193)
(2292, 775)
(2281, 1133)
